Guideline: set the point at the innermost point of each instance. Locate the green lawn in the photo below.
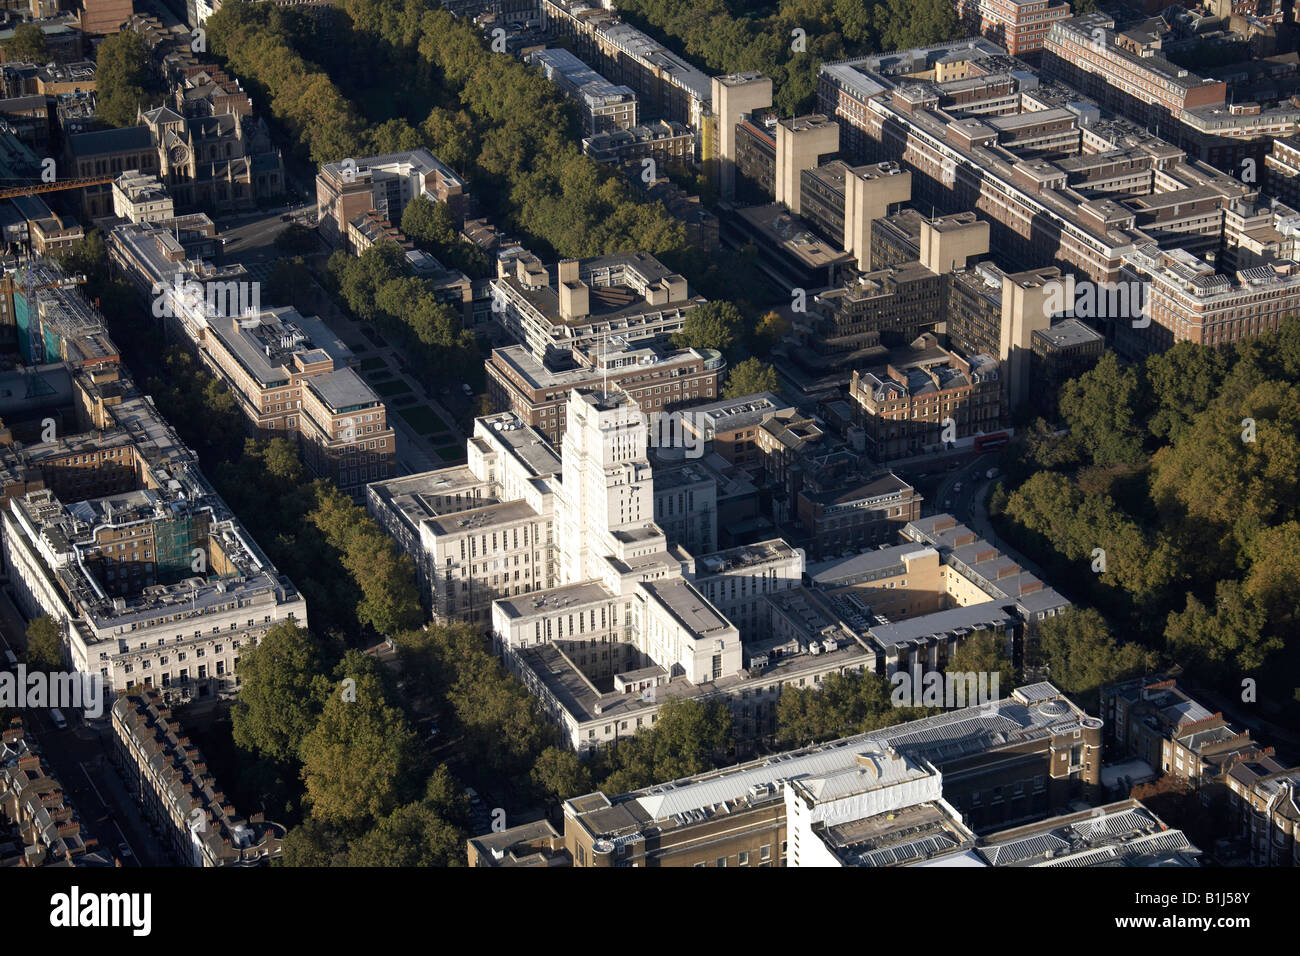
(422, 419)
(372, 363)
(450, 452)
(388, 389)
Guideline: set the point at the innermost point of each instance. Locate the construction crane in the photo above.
(31, 189)
(8, 286)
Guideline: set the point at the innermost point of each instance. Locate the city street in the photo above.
(969, 504)
(78, 757)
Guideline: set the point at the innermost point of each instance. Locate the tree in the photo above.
(389, 600)
(282, 690)
(27, 44)
(451, 136)
(768, 332)
(429, 222)
(357, 758)
(86, 256)
(714, 325)
(291, 282)
(45, 644)
(1081, 654)
(1184, 381)
(1102, 408)
(412, 835)
(314, 844)
(845, 704)
(297, 240)
(558, 774)
(687, 738)
(122, 72)
(1226, 640)
(394, 136)
(984, 653)
(749, 378)
(907, 24)
(688, 735)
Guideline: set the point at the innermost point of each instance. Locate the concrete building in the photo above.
(581, 303)
(1189, 300)
(1064, 351)
(801, 143)
(734, 96)
(103, 17)
(289, 373)
(112, 530)
(871, 193)
(383, 184)
(170, 779)
(1265, 806)
(41, 825)
(658, 377)
(223, 161)
(532, 844)
(1060, 182)
(977, 770)
(140, 197)
(667, 86)
(1282, 170)
(1019, 25)
(1124, 833)
(914, 602)
(1087, 53)
(479, 531)
(1156, 721)
(602, 106)
(664, 141)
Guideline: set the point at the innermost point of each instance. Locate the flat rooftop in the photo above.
(1029, 713)
(837, 571)
(1119, 834)
(688, 606)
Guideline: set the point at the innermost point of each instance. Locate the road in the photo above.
(78, 758)
(970, 470)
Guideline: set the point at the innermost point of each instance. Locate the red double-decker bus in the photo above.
(992, 442)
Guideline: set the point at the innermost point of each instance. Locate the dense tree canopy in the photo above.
(27, 44)
(750, 377)
(1167, 500)
(357, 760)
(121, 78)
(1081, 654)
(44, 644)
(282, 690)
(844, 704)
(714, 325)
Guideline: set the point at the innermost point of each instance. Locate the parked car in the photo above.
(124, 851)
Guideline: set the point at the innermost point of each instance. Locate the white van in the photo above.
(10, 659)
(57, 717)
